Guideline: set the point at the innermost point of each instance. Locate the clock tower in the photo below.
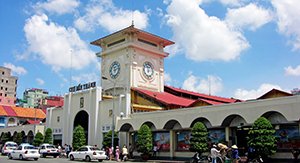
(132, 58)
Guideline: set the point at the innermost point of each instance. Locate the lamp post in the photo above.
(113, 114)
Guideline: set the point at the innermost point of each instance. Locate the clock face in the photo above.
(114, 69)
(148, 70)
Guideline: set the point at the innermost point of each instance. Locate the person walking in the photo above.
(110, 152)
(154, 150)
(131, 149)
(215, 153)
(117, 154)
(124, 153)
(235, 154)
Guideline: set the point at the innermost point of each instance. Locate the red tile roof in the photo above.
(179, 91)
(12, 111)
(211, 102)
(32, 122)
(2, 111)
(9, 111)
(166, 98)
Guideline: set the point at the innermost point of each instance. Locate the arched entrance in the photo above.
(82, 119)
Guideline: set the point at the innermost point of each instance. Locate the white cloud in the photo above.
(40, 81)
(250, 16)
(57, 6)
(231, 2)
(210, 85)
(105, 14)
(56, 45)
(167, 78)
(201, 36)
(292, 71)
(85, 78)
(16, 69)
(289, 20)
(253, 94)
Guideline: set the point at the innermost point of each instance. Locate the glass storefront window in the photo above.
(288, 137)
(162, 140)
(216, 135)
(183, 140)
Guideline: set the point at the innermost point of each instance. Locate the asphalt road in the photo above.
(4, 159)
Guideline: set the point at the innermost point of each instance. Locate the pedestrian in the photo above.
(111, 155)
(215, 153)
(235, 154)
(67, 150)
(124, 153)
(59, 147)
(295, 153)
(131, 149)
(117, 154)
(154, 150)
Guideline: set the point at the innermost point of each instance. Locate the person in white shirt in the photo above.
(215, 153)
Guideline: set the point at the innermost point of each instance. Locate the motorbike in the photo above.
(197, 158)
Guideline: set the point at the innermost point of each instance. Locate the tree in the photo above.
(5, 137)
(48, 136)
(144, 140)
(107, 139)
(261, 138)
(78, 137)
(18, 138)
(38, 139)
(199, 139)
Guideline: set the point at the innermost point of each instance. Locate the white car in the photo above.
(8, 147)
(24, 151)
(48, 150)
(88, 153)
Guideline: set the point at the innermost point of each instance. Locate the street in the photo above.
(4, 159)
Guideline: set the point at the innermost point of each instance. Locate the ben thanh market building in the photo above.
(133, 93)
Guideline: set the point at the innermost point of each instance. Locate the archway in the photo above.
(203, 120)
(238, 130)
(82, 119)
(11, 122)
(172, 124)
(30, 137)
(275, 117)
(24, 138)
(150, 125)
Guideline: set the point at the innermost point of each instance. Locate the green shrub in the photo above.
(261, 138)
(78, 137)
(144, 140)
(199, 139)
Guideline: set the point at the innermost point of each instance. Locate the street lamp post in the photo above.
(113, 114)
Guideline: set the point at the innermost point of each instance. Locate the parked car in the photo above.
(88, 153)
(48, 150)
(8, 147)
(24, 151)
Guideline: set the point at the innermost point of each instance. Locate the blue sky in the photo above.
(237, 48)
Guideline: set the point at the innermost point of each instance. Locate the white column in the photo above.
(172, 145)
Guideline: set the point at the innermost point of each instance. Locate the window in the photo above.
(3, 73)
(2, 80)
(1, 88)
(6, 81)
(0, 94)
(58, 118)
(81, 102)
(5, 89)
